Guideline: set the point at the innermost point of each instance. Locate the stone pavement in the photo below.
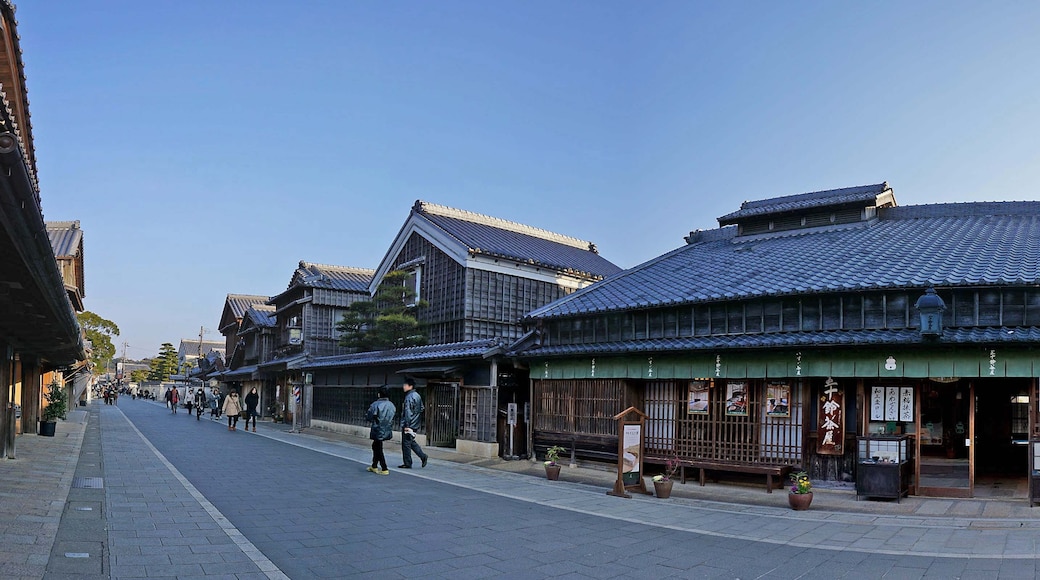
(132, 514)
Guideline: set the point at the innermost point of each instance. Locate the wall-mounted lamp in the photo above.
(931, 308)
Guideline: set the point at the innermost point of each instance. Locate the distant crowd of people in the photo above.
(218, 403)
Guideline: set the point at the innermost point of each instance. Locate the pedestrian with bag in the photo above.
(214, 404)
(175, 397)
(381, 415)
(411, 422)
(232, 408)
(200, 402)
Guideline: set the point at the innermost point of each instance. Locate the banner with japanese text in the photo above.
(830, 429)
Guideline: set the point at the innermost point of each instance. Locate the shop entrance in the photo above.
(974, 439)
(945, 428)
(1002, 438)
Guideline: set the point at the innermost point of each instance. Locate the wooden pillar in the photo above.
(6, 386)
(32, 387)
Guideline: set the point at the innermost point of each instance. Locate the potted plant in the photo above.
(801, 491)
(663, 482)
(552, 455)
(57, 407)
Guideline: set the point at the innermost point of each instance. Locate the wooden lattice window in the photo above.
(681, 420)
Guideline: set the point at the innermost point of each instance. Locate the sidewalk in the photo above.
(842, 499)
(35, 492)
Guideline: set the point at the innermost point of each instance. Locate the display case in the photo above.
(884, 465)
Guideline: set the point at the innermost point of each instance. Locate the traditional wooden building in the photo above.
(805, 329)
(305, 316)
(256, 338)
(478, 275)
(39, 333)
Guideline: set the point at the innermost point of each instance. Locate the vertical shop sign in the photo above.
(906, 404)
(831, 424)
(877, 403)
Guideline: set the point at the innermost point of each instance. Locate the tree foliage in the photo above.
(163, 365)
(138, 376)
(99, 332)
(386, 321)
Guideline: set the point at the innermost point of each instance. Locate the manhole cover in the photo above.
(77, 555)
(88, 483)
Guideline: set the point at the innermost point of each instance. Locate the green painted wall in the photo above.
(887, 363)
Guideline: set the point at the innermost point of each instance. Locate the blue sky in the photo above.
(209, 146)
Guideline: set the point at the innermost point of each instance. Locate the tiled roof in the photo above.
(431, 352)
(240, 303)
(500, 238)
(794, 340)
(332, 277)
(66, 238)
(191, 347)
(944, 245)
(804, 201)
(262, 316)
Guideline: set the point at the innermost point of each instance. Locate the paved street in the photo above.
(161, 495)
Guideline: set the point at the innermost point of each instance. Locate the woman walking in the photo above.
(252, 400)
(232, 407)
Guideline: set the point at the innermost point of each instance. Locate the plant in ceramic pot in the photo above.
(663, 483)
(552, 456)
(801, 491)
(57, 407)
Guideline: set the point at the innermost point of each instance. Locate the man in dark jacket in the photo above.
(200, 402)
(381, 415)
(411, 422)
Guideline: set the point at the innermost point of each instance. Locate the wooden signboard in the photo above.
(630, 454)
(830, 429)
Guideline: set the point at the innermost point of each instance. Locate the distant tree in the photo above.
(138, 376)
(386, 321)
(163, 365)
(99, 332)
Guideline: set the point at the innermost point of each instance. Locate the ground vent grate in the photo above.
(88, 483)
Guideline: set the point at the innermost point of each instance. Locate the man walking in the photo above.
(411, 422)
(381, 415)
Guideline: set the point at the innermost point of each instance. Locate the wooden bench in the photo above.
(781, 472)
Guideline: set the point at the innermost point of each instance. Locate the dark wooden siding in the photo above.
(496, 301)
(443, 287)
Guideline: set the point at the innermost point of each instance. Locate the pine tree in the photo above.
(386, 321)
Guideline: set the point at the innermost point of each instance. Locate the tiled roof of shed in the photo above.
(944, 245)
(65, 238)
(430, 352)
(794, 340)
(500, 238)
(804, 201)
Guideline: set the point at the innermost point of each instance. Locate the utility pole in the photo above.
(120, 371)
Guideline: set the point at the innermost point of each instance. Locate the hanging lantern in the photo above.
(931, 308)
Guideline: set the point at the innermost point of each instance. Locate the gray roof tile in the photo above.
(804, 201)
(504, 239)
(432, 352)
(944, 245)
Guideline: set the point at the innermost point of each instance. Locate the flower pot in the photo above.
(552, 472)
(799, 501)
(47, 428)
(663, 489)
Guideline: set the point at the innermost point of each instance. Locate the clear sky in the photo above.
(207, 146)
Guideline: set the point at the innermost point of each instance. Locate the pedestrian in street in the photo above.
(411, 422)
(189, 400)
(221, 397)
(232, 408)
(381, 415)
(252, 400)
(214, 404)
(200, 403)
(175, 397)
